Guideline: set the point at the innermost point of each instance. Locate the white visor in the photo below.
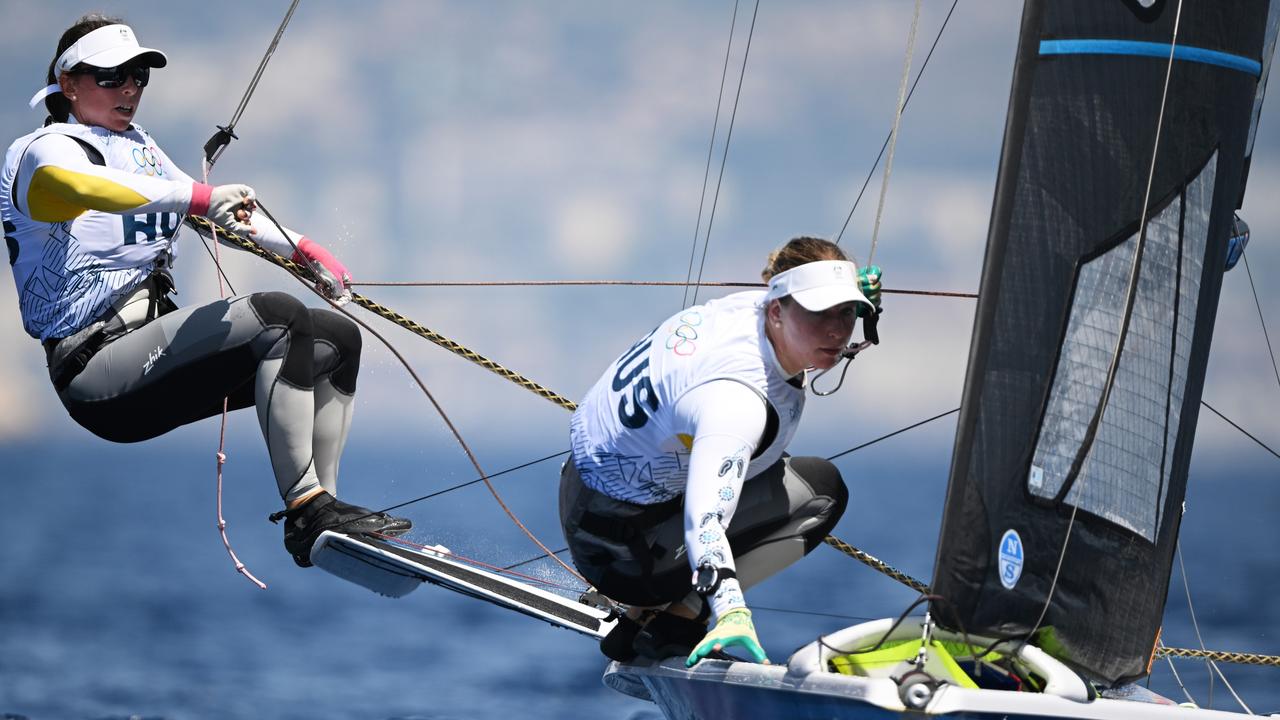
(105, 47)
(819, 285)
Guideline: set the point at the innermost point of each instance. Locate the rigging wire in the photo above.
(1230, 689)
(469, 483)
(884, 146)
(1246, 432)
(215, 146)
(895, 432)
(706, 173)
(1195, 622)
(724, 157)
(1261, 319)
(893, 133)
(616, 283)
(1177, 677)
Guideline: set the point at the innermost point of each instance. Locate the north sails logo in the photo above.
(152, 357)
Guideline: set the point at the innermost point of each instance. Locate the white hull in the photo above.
(805, 688)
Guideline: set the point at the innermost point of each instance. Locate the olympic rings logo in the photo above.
(148, 161)
(681, 340)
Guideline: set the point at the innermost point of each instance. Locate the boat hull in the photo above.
(805, 687)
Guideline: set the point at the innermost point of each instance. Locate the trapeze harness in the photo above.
(89, 217)
(678, 465)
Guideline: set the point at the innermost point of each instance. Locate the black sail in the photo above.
(1066, 447)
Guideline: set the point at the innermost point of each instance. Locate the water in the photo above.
(117, 599)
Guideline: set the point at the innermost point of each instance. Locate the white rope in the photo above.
(1178, 678)
(1218, 670)
(1195, 623)
(893, 134)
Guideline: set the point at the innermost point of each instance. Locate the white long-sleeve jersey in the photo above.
(695, 408)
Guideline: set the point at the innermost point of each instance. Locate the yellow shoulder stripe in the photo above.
(57, 195)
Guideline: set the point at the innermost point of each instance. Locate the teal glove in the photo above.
(869, 284)
(733, 628)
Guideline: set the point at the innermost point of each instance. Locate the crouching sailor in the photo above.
(91, 206)
(678, 495)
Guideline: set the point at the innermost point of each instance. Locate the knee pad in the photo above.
(825, 480)
(337, 335)
(282, 311)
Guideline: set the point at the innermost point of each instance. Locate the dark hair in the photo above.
(57, 104)
(799, 251)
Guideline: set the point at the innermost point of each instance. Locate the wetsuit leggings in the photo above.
(297, 365)
(635, 553)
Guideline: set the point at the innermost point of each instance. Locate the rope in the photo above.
(302, 273)
(221, 454)
(204, 226)
(1239, 658)
(876, 564)
(885, 145)
(724, 157)
(706, 173)
(615, 283)
(893, 133)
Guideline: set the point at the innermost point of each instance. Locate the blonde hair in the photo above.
(799, 251)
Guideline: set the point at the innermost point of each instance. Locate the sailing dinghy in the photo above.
(1126, 151)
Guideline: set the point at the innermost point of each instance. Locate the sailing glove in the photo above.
(332, 277)
(734, 628)
(226, 203)
(869, 284)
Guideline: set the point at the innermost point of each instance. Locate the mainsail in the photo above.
(1096, 311)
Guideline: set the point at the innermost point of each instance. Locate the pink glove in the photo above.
(331, 275)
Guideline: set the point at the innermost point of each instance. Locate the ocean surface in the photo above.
(117, 598)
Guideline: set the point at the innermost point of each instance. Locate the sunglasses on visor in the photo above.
(114, 77)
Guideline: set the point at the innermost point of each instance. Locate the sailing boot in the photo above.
(302, 525)
(617, 645)
(667, 635)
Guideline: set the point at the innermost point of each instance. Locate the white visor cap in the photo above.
(106, 47)
(819, 285)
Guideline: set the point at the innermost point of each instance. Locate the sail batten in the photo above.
(1094, 322)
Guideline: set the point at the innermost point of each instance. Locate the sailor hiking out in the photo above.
(91, 206)
(679, 494)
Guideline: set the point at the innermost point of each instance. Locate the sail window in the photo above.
(1125, 473)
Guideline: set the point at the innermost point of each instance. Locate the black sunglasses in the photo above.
(114, 77)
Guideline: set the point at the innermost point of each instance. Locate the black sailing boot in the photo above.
(667, 635)
(302, 525)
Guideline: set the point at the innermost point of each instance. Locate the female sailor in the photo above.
(678, 460)
(91, 206)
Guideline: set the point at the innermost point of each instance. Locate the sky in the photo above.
(451, 141)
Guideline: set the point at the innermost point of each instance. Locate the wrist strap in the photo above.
(707, 579)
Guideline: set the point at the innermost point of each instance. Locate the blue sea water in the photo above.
(117, 598)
